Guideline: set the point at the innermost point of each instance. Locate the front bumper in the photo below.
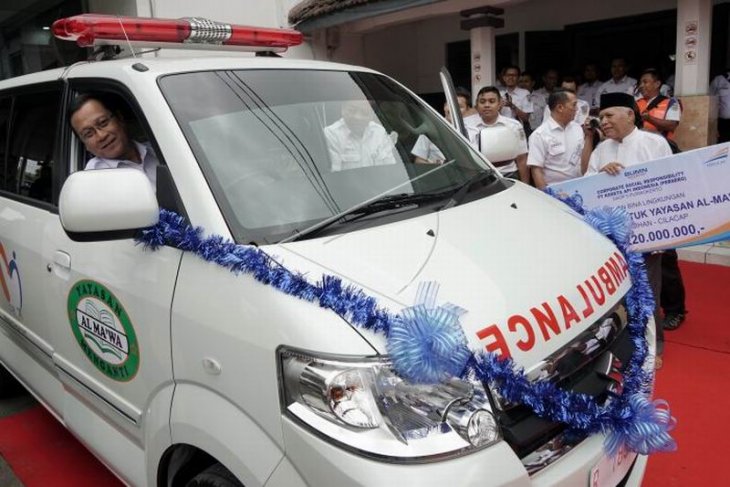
(312, 461)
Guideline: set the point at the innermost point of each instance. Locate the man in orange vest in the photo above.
(661, 114)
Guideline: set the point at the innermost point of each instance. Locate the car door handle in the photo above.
(62, 261)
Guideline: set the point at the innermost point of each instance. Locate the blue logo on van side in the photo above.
(10, 285)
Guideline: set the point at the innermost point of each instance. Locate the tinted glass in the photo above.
(32, 137)
(5, 173)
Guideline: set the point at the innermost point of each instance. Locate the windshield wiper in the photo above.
(395, 201)
(458, 197)
(384, 203)
(379, 203)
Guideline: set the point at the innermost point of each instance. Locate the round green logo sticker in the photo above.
(103, 330)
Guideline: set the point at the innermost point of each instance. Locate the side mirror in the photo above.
(499, 143)
(105, 200)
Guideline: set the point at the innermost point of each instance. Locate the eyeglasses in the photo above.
(101, 124)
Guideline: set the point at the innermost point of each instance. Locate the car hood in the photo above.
(529, 272)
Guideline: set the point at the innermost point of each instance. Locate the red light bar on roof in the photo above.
(96, 29)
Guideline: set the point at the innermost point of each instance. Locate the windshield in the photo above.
(284, 150)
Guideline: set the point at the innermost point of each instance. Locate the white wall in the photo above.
(127, 7)
(249, 12)
(413, 53)
(693, 75)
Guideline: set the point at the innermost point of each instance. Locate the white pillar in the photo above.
(694, 29)
(483, 58)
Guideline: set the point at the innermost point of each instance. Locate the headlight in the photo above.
(364, 406)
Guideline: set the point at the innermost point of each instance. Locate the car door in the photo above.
(28, 121)
(450, 93)
(110, 301)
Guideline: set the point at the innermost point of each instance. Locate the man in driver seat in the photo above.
(356, 141)
(104, 134)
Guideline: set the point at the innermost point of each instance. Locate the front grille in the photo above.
(591, 364)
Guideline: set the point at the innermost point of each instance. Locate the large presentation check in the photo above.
(673, 202)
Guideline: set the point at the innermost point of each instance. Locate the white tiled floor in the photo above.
(718, 253)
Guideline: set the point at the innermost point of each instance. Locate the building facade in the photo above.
(412, 39)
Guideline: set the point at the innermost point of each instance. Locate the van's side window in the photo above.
(6, 174)
(32, 138)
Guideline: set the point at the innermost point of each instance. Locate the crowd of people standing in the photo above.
(569, 130)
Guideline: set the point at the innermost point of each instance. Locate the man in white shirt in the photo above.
(720, 87)
(104, 134)
(582, 108)
(549, 83)
(540, 97)
(669, 83)
(559, 148)
(587, 91)
(625, 145)
(426, 152)
(355, 141)
(468, 112)
(515, 101)
(619, 82)
(539, 102)
(661, 116)
(488, 105)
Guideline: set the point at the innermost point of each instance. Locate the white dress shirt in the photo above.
(557, 150)
(146, 154)
(543, 92)
(587, 91)
(581, 114)
(539, 105)
(472, 121)
(720, 87)
(425, 149)
(347, 151)
(521, 99)
(624, 85)
(637, 147)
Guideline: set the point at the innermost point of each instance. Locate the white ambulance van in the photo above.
(174, 371)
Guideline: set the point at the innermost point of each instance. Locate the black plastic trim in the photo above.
(101, 236)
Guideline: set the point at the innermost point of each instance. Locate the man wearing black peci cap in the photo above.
(626, 145)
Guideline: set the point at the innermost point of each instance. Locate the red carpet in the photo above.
(694, 380)
(42, 453)
(708, 296)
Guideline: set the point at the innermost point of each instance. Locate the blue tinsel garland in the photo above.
(427, 344)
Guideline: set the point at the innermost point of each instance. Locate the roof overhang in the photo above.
(311, 15)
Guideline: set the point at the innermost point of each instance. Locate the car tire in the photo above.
(215, 476)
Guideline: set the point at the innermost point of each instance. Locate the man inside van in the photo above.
(356, 141)
(104, 134)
